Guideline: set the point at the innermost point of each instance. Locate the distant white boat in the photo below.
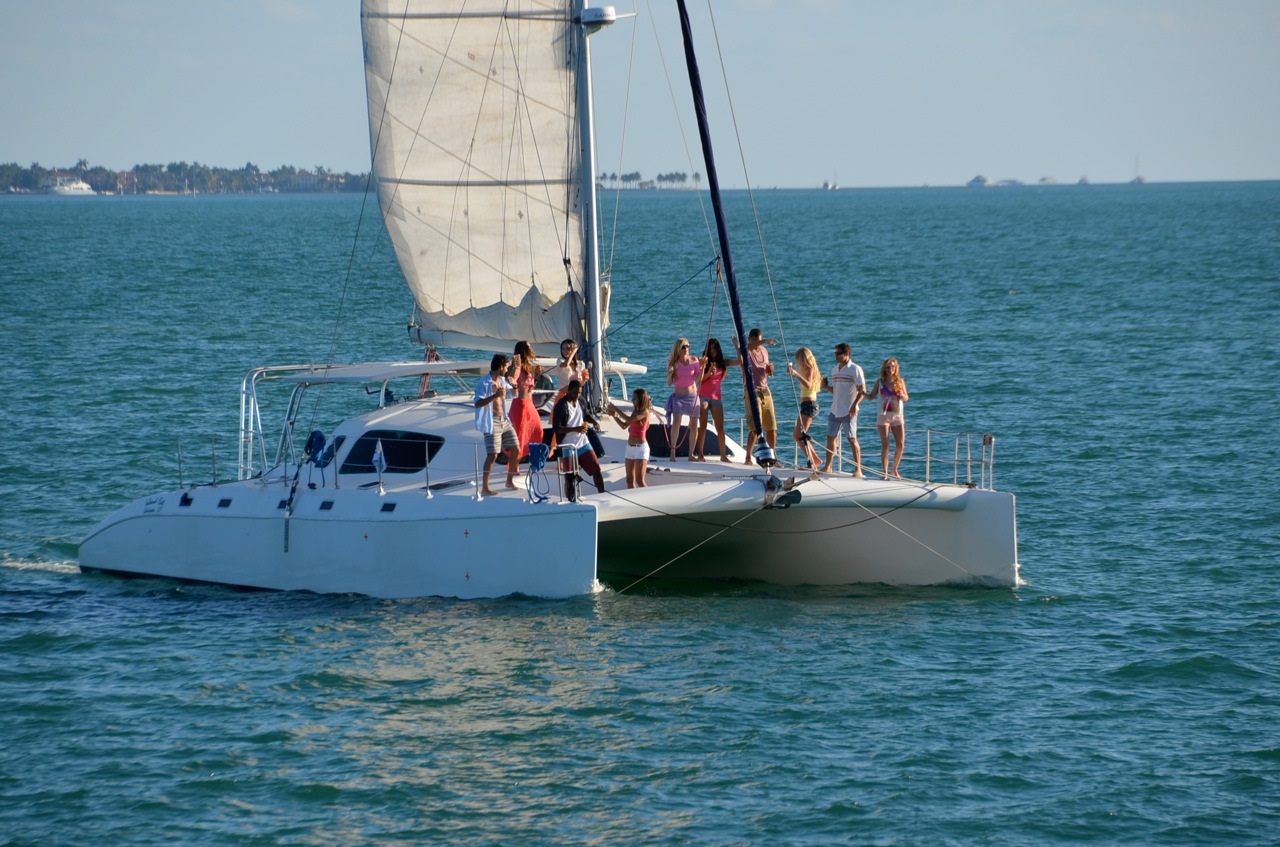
(979, 181)
(70, 186)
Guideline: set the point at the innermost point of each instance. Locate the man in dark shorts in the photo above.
(570, 420)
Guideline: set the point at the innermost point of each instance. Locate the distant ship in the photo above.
(979, 181)
(69, 186)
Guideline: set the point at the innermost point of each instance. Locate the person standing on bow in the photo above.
(806, 372)
(848, 385)
(524, 413)
(890, 395)
(491, 419)
(683, 371)
(711, 396)
(761, 370)
(570, 420)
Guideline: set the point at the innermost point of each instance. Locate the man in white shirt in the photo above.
(492, 420)
(571, 422)
(847, 385)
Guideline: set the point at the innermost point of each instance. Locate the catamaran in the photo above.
(482, 138)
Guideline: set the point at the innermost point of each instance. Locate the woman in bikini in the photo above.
(637, 427)
(805, 370)
(682, 375)
(890, 393)
(711, 397)
(524, 414)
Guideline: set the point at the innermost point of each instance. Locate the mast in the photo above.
(590, 21)
(764, 454)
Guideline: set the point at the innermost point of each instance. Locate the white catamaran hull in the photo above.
(346, 541)
(841, 531)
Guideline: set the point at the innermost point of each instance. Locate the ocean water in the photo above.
(1121, 342)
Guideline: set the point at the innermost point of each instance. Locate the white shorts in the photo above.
(638, 451)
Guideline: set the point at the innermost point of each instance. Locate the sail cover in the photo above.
(476, 151)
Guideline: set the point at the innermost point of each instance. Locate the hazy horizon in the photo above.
(864, 95)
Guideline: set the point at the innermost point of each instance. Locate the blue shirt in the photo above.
(484, 414)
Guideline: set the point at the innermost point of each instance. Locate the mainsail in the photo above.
(473, 110)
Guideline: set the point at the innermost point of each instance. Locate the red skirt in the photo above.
(527, 423)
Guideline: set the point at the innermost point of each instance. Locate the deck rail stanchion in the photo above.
(426, 466)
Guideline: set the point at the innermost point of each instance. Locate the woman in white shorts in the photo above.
(890, 396)
(637, 427)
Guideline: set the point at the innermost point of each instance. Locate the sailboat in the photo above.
(483, 147)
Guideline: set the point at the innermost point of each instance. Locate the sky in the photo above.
(859, 92)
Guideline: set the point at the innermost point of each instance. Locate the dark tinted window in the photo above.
(405, 452)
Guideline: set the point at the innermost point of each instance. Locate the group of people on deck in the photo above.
(697, 393)
(512, 431)
(696, 397)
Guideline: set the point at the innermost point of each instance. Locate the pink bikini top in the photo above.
(525, 379)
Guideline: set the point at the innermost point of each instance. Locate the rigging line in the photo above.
(716, 282)
(364, 203)
(893, 526)
(622, 145)
(675, 108)
(742, 156)
(654, 304)
(522, 97)
(670, 562)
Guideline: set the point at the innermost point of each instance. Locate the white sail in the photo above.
(473, 122)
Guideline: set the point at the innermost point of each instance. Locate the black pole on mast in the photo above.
(764, 453)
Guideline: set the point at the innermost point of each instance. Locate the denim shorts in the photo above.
(809, 408)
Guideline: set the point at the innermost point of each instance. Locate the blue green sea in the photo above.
(1122, 343)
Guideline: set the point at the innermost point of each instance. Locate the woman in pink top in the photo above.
(683, 371)
(637, 427)
(524, 414)
(711, 398)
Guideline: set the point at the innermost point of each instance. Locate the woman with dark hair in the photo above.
(524, 414)
(711, 397)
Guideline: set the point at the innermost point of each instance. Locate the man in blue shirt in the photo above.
(492, 420)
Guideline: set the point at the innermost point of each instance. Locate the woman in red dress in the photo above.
(524, 414)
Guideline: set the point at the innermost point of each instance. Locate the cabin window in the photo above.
(405, 452)
(388, 507)
(326, 505)
(224, 502)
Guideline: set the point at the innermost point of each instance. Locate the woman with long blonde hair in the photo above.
(682, 375)
(806, 372)
(890, 395)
